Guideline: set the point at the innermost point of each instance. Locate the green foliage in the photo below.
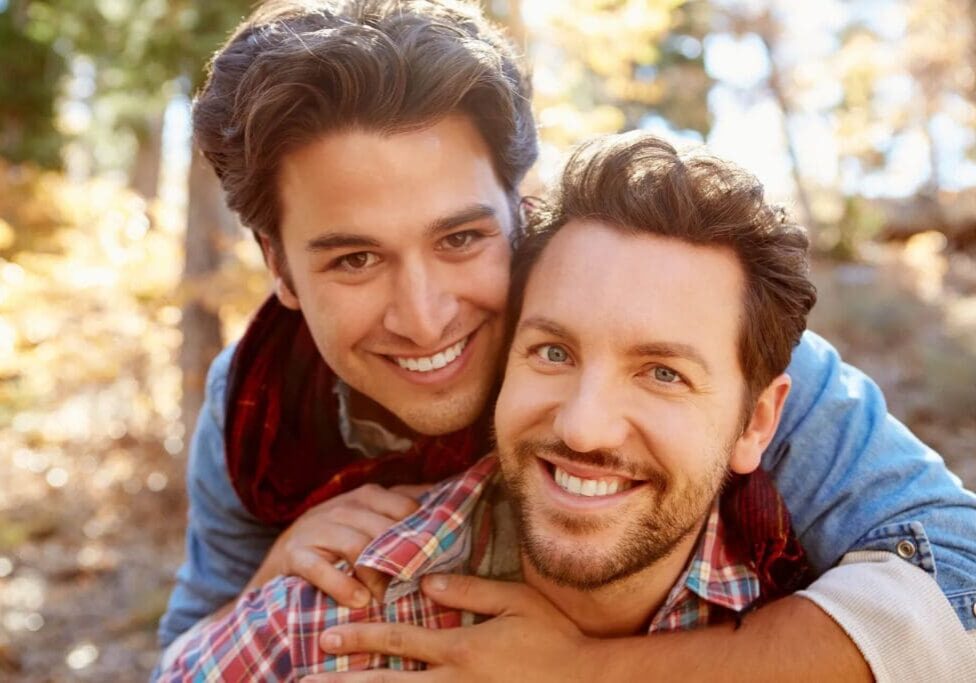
(32, 69)
(137, 50)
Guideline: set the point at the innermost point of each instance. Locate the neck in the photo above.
(361, 407)
(624, 607)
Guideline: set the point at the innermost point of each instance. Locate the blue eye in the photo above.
(666, 375)
(552, 353)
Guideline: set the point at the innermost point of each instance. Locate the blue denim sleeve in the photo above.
(854, 478)
(224, 543)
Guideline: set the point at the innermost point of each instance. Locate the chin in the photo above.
(435, 417)
(579, 565)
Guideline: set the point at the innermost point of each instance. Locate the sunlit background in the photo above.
(858, 115)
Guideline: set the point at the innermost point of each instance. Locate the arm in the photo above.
(251, 642)
(530, 640)
(224, 543)
(854, 478)
(792, 639)
(229, 552)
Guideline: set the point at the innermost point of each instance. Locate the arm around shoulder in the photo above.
(224, 543)
(854, 478)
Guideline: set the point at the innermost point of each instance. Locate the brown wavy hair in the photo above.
(298, 69)
(642, 185)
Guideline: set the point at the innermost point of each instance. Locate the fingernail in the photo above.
(361, 597)
(438, 583)
(331, 641)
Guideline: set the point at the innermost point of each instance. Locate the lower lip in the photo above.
(583, 503)
(441, 375)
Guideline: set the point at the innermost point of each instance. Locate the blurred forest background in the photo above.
(122, 274)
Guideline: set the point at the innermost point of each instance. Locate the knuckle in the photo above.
(370, 490)
(462, 653)
(394, 641)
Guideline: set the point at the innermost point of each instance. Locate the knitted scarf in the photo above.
(285, 453)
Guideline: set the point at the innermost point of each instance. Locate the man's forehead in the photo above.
(363, 182)
(635, 289)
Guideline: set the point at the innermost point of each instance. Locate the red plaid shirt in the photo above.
(272, 634)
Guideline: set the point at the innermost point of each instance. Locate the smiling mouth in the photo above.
(589, 487)
(439, 360)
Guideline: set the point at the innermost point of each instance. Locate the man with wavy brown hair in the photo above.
(376, 148)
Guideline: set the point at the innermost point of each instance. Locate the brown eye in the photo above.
(460, 240)
(357, 261)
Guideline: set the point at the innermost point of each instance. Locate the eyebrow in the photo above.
(670, 350)
(346, 240)
(657, 349)
(542, 324)
(466, 215)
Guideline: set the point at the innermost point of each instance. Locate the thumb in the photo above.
(474, 594)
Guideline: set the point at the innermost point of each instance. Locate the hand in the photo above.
(527, 640)
(339, 528)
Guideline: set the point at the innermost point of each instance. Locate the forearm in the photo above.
(791, 639)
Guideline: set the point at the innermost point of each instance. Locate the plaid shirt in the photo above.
(272, 634)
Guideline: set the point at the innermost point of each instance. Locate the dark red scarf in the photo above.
(759, 530)
(285, 453)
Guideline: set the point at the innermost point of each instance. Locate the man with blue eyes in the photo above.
(625, 493)
(376, 149)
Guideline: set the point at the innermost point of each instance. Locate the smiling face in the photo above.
(397, 248)
(621, 408)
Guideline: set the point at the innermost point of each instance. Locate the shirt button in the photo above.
(906, 549)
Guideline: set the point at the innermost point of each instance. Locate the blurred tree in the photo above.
(607, 65)
(33, 65)
(139, 54)
(763, 22)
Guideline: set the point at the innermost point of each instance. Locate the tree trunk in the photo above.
(146, 166)
(767, 33)
(509, 14)
(144, 177)
(206, 213)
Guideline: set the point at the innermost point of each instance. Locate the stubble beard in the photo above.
(664, 519)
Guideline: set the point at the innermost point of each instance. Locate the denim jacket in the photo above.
(853, 477)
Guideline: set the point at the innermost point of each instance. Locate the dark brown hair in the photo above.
(297, 69)
(640, 184)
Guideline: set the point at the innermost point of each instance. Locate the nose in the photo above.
(422, 304)
(591, 417)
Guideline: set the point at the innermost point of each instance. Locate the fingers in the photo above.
(386, 502)
(322, 574)
(412, 490)
(400, 640)
(478, 595)
(362, 519)
(376, 676)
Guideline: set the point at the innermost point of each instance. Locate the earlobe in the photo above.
(285, 295)
(766, 414)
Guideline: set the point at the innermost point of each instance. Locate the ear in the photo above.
(279, 271)
(762, 426)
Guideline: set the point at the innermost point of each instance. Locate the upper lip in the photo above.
(593, 472)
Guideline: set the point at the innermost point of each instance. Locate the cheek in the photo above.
(680, 433)
(485, 280)
(342, 316)
(526, 401)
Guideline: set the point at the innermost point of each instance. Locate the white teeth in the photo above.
(435, 362)
(588, 487)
